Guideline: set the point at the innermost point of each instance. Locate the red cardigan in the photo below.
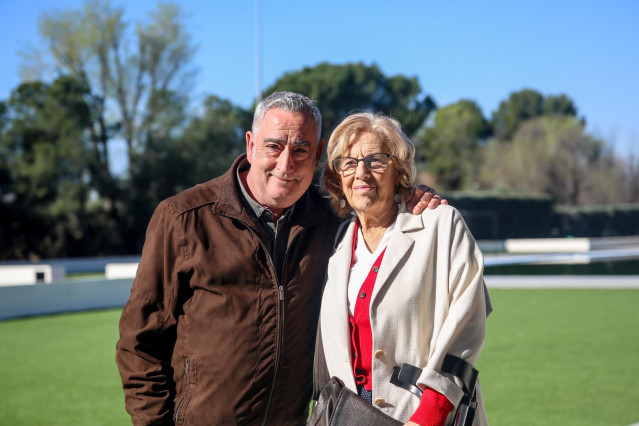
(434, 407)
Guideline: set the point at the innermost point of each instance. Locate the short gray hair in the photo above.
(291, 102)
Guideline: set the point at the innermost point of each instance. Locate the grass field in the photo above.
(552, 357)
(562, 357)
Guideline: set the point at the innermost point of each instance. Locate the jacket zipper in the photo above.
(186, 373)
(280, 326)
(280, 289)
(277, 357)
(177, 411)
(280, 329)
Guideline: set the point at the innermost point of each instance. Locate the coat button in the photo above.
(379, 354)
(375, 269)
(362, 295)
(379, 402)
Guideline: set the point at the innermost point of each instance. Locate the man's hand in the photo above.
(410, 424)
(424, 196)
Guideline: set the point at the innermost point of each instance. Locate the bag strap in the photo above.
(320, 369)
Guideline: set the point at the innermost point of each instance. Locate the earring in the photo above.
(342, 203)
(398, 199)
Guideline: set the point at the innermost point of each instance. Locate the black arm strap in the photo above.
(464, 371)
(406, 378)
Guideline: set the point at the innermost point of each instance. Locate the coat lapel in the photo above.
(337, 312)
(398, 248)
(342, 258)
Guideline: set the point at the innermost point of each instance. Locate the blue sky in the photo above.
(469, 49)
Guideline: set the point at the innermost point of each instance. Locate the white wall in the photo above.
(78, 264)
(39, 299)
(114, 271)
(30, 274)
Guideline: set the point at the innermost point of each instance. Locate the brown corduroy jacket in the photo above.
(209, 336)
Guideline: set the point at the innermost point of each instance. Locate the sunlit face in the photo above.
(370, 193)
(283, 155)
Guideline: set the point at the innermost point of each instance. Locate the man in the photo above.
(220, 325)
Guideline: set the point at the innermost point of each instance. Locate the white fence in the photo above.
(79, 264)
(32, 300)
(38, 299)
(60, 296)
(30, 274)
(120, 270)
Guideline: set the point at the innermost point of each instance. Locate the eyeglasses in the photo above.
(373, 162)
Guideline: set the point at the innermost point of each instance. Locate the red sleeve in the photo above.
(433, 409)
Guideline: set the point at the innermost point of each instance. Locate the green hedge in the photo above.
(597, 221)
(496, 216)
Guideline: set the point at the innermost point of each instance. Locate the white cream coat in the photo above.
(429, 300)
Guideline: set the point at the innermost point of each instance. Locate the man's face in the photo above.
(283, 155)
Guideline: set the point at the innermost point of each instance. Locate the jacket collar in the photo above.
(406, 221)
(228, 202)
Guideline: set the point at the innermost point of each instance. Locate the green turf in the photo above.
(562, 357)
(552, 357)
(60, 370)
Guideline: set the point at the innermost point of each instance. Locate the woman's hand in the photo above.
(410, 424)
(424, 196)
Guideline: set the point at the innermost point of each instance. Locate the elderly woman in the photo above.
(401, 289)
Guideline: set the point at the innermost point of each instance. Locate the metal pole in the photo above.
(258, 50)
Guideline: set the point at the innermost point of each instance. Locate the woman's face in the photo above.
(370, 193)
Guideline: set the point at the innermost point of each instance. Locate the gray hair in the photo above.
(291, 102)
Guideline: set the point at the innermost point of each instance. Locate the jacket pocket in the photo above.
(190, 383)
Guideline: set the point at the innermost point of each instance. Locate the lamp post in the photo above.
(258, 50)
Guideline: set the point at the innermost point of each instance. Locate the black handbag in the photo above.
(336, 404)
(339, 406)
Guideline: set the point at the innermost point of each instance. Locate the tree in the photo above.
(525, 105)
(553, 155)
(173, 162)
(215, 138)
(130, 78)
(6, 191)
(519, 107)
(44, 170)
(450, 147)
(631, 178)
(342, 89)
(92, 44)
(559, 105)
